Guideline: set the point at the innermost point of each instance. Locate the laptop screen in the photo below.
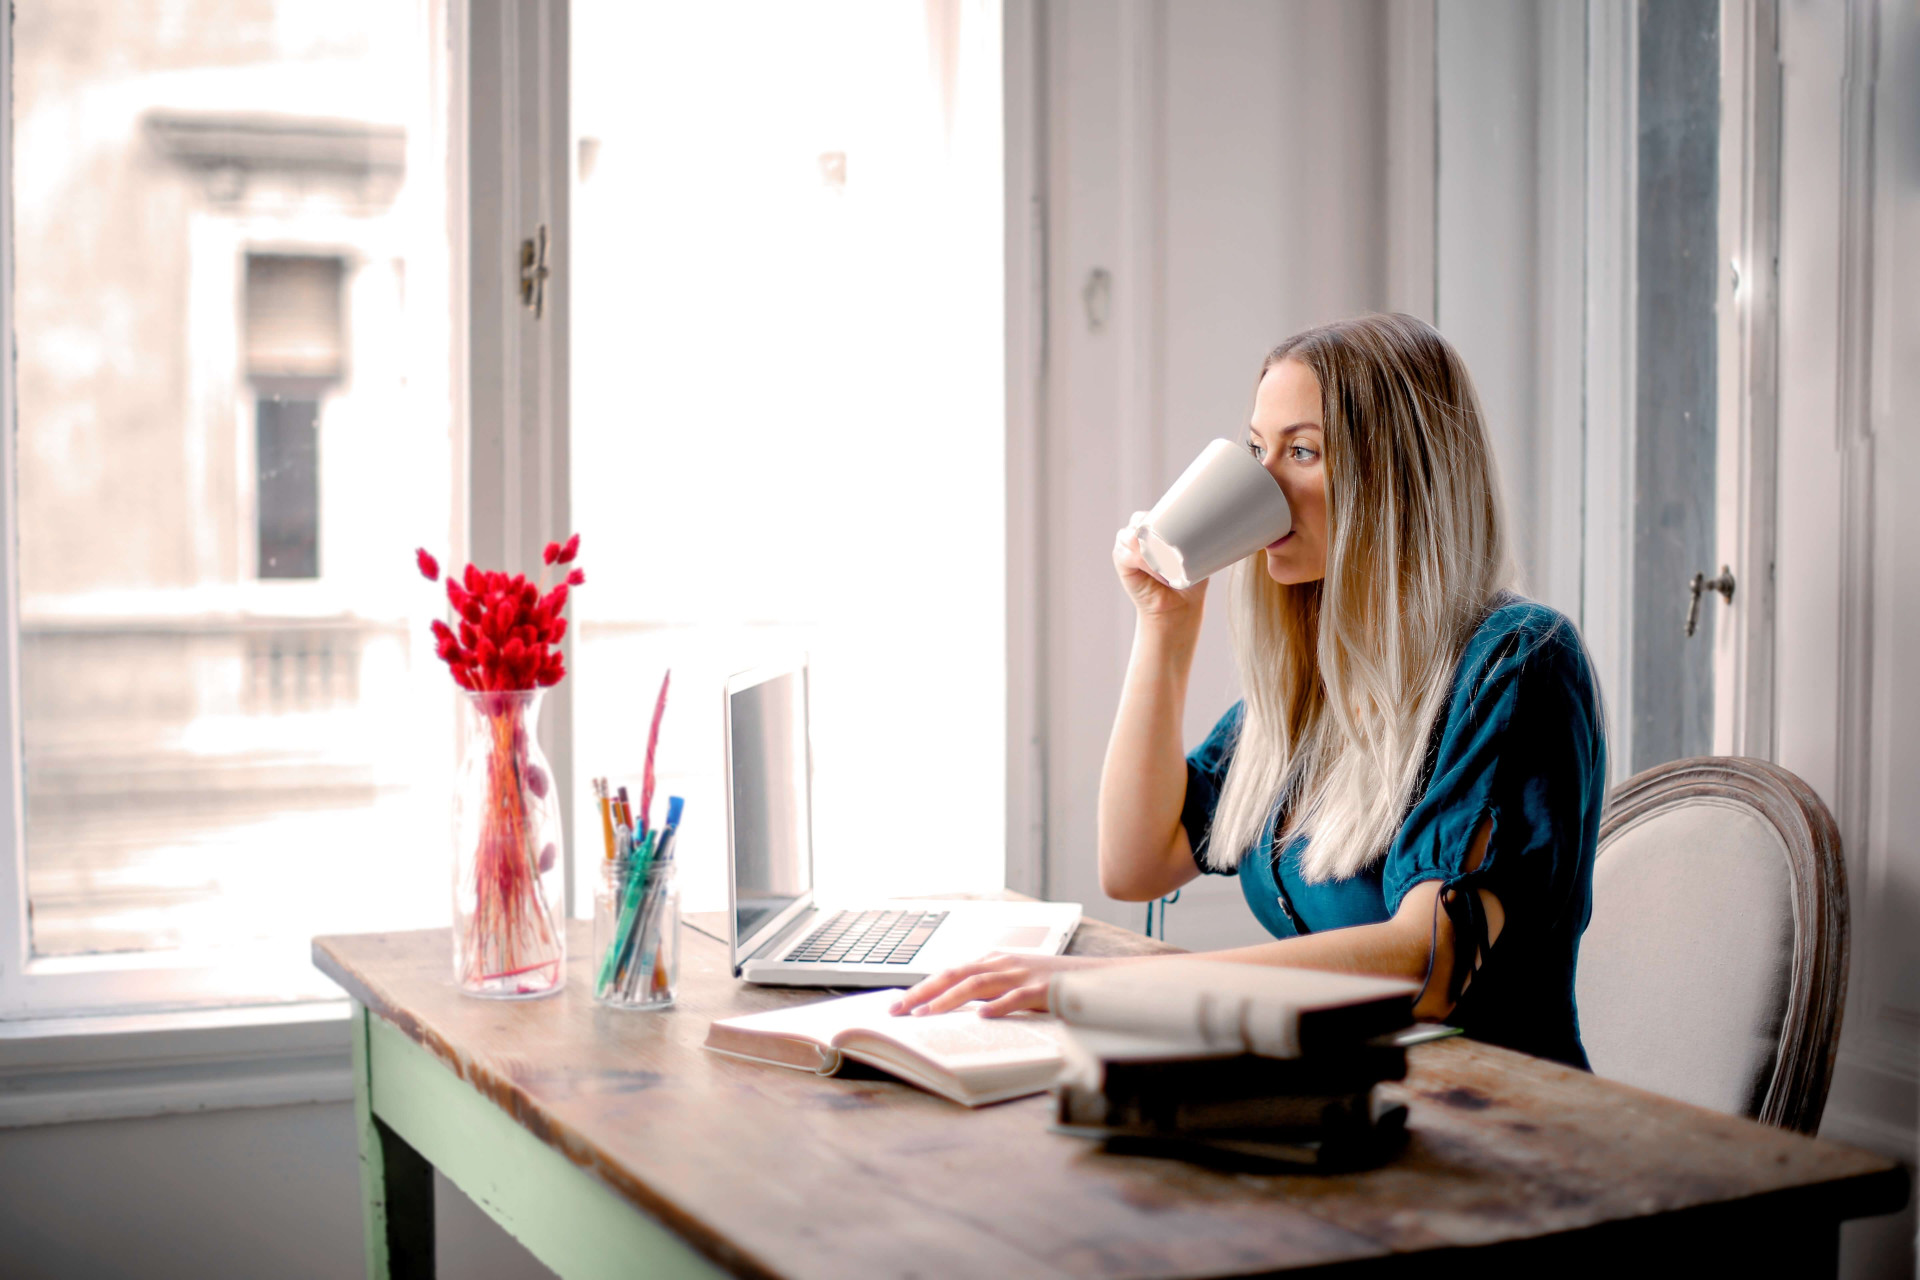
(771, 829)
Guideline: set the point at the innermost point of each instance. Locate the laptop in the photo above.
(781, 935)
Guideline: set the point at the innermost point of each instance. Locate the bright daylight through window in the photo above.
(787, 413)
(233, 321)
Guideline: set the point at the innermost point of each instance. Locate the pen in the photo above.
(627, 934)
(629, 905)
(651, 974)
(674, 807)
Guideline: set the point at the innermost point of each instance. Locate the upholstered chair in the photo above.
(1715, 967)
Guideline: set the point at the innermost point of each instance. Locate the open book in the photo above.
(959, 1055)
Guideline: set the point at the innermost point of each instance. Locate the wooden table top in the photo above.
(778, 1173)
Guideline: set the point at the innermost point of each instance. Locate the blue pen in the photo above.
(643, 978)
(674, 805)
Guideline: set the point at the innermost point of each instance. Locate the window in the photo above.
(296, 354)
(787, 414)
(287, 463)
(233, 314)
(249, 354)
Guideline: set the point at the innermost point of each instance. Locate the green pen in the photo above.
(621, 955)
(637, 862)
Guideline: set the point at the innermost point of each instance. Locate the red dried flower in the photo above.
(429, 567)
(502, 634)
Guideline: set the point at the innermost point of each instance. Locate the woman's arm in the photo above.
(1143, 849)
(1144, 852)
(1396, 948)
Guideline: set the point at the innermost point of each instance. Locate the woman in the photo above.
(1413, 782)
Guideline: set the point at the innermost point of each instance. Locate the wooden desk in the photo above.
(611, 1144)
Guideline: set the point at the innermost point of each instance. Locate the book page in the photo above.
(801, 1036)
(955, 1040)
(958, 1055)
(962, 1040)
(820, 1021)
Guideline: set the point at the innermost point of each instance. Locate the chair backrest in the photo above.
(1715, 967)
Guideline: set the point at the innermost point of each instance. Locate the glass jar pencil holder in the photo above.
(636, 933)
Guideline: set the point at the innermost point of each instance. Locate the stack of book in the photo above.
(1239, 1065)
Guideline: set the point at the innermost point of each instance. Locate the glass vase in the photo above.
(509, 919)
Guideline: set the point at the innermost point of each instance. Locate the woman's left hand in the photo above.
(1007, 983)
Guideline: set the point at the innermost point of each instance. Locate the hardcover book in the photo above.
(960, 1055)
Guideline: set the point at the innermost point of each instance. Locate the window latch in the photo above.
(534, 273)
(1721, 582)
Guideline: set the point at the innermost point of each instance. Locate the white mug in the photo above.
(1224, 507)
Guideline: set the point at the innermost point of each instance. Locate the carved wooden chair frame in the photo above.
(1817, 881)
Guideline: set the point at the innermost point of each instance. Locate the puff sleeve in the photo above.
(1523, 745)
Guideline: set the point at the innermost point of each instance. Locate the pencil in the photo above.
(606, 813)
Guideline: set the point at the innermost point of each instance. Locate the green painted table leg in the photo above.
(566, 1217)
(396, 1183)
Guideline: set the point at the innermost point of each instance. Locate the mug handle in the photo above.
(1141, 524)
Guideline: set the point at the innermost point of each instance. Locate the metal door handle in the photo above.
(534, 273)
(1723, 583)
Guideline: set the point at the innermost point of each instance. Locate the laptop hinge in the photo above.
(772, 946)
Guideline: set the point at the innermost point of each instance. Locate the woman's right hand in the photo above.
(1151, 597)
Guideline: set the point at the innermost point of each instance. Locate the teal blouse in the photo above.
(1520, 739)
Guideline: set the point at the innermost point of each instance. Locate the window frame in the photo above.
(502, 78)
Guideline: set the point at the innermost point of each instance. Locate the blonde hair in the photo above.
(1344, 677)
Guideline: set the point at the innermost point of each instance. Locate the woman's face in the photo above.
(1286, 437)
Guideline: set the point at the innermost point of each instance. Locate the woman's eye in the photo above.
(1303, 453)
(1253, 447)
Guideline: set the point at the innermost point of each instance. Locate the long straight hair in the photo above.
(1345, 677)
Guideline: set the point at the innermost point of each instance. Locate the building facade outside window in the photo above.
(234, 418)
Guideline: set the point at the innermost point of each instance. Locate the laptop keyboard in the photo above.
(869, 937)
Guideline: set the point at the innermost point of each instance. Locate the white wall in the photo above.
(272, 1191)
(1847, 699)
(1224, 163)
(1510, 78)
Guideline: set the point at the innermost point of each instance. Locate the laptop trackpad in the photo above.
(1023, 937)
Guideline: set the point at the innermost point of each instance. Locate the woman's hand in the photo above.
(1151, 597)
(1007, 983)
